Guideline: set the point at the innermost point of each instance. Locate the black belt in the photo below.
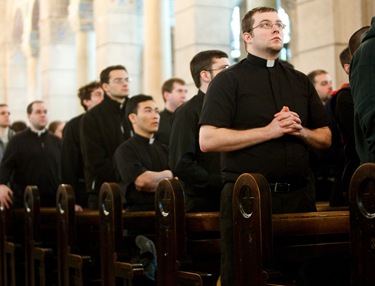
(280, 187)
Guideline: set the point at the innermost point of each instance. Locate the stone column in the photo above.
(3, 52)
(200, 25)
(318, 38)
(15, 66)
(58, 61)
(119, 34)
(81, 20)
(31, 50)
(157, 54)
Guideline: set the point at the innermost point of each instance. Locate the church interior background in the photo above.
(49, 48)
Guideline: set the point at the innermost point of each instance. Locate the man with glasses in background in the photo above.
(103, 129)
(174, 92)
(199, 171)
(264, 117)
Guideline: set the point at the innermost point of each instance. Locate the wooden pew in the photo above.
(73, 268)
(7, 251)
(39, 260)
(284, 237)
(362, 225)
(111, 238)
(172, 236)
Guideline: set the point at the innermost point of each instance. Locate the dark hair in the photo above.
(168, 85)
(345, 57)
(29, 108)
(104, 75)
(84, 92)
(248, 20)
(132, 104)
(355, 39)
(54, 125)
(314, 73)
(18, 125)
(203, 61)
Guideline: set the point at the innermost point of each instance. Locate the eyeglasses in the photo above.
(4, 113)
(218, 69)
(268, 26)
(122, 80)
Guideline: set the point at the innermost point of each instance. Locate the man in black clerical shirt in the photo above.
(264, 117)
(32, 157)
(141, 161)
(199, 171)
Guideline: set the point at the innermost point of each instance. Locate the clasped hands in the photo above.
(287, 122)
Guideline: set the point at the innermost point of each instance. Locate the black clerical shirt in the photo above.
(247, 95)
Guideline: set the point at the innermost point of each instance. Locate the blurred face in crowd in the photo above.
(38, 117)
(4, 116)
(176, 97)
(323, 86)
(118, 85)
(146, 121)
(96, 96)
(59, 130)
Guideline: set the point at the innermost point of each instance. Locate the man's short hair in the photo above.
(84, 92)
(104, 75)
(355, 39)
(247, 21)
(345, 57)
(29, 108)
(203, 61)
(168, 85)
(315, 73)
(134, 101)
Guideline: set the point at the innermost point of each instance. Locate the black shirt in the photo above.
(134, 157)
(32, 159)
(103, 128)
(200, 171)
(164, 131)
(71, 159)
(247, 95)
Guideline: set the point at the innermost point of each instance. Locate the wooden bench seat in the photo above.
(111, 239)
(362, 225)
(292, 235)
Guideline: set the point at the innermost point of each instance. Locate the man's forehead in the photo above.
(266, 16)
(116, 73)
(147, 104)
(39, 106)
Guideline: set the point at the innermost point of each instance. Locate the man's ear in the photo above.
(105, 86)
(205, 75)
(85, 102)
(132, 117)
(247, 37)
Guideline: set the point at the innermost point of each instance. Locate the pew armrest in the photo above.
(195, 278)
(78, 261)
(127, 270)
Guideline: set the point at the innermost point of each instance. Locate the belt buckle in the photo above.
(281, 188)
